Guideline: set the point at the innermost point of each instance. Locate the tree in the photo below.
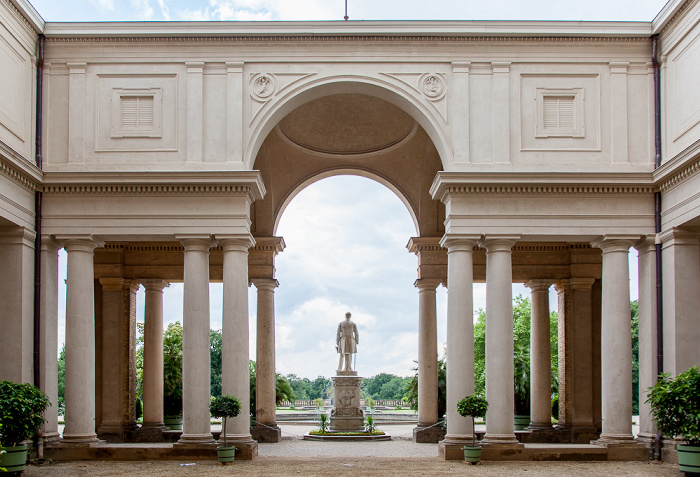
(62, 380)
(172, 369)
(411, 389)
(372, 386)
(299, 385)
(215, 340)
(320, 388)
(283, 390)
(634, 308)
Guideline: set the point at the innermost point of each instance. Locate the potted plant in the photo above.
(675, 406)
(225, 407)
(172, 376)
(21, 409)
(472, 406)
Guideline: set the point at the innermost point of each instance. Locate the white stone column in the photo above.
(196, 361)
(427, 353)
(540, 356)
(265, 355)
(648, 369)
(616, 339)
(80, 340)
(153, 354)
(681, 308)
(48, 312)
(499, 340)
(235, 333)
(460, 339)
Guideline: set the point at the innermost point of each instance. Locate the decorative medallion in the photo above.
(263, 85)
(433, 86)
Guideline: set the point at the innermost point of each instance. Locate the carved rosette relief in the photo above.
(433, 86)
(262, 86)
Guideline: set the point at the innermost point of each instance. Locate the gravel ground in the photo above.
(309, 466)
(398, 457)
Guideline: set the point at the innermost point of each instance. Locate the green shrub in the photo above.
(675, 405)
(21, 409)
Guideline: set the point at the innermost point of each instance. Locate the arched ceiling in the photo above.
(348, 133)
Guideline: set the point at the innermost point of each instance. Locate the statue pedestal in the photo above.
(346, 415)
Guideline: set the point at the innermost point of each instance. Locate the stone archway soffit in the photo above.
(278, 104)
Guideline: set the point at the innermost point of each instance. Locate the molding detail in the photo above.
(15, 174)
(433, 86)
(152, 189)
(348, 38)
(263, 86)
(680, 168)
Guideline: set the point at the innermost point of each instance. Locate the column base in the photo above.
(266, 433)
(77, 441)
(580, 434)
(428, 434)
(539, 426)
(202, 440)
(51, 437)
(500, 439)
(149, 433)
(245, 449)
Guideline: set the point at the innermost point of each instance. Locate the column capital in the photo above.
(50, 244)
(424, 244)
(574, 284)
(235, 243)
(539, 284)
(196, 243)
(427, 284)
(615, 243)
(18, 235)
(679, 236)
(116, 283)
(80, 243)
(269, 244)
(459, 242)
(154, 284)
(499, 243)
(266, 284)
(646, 244)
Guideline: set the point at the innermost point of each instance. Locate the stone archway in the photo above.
(345, 133)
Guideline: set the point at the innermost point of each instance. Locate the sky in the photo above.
(346, 236)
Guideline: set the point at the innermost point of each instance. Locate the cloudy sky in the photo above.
(345, 236)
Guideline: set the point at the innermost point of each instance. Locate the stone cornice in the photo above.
(669, 14)
(363, 31)
(27, 14)
(208, 182)
(19, 170)
(446, 184)
(269, 244)
(679, 169)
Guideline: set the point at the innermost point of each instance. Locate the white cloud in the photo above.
(164, 10)
(104, 5)
(143, 9)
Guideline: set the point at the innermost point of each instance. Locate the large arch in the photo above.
(380, 88)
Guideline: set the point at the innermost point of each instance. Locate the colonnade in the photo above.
(616, 374)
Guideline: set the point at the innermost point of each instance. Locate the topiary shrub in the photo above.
(225, 407)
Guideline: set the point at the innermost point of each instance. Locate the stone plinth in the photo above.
(346, 415)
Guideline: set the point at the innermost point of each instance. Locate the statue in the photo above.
(346, 341)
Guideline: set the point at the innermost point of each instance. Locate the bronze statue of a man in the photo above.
(346, 341)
